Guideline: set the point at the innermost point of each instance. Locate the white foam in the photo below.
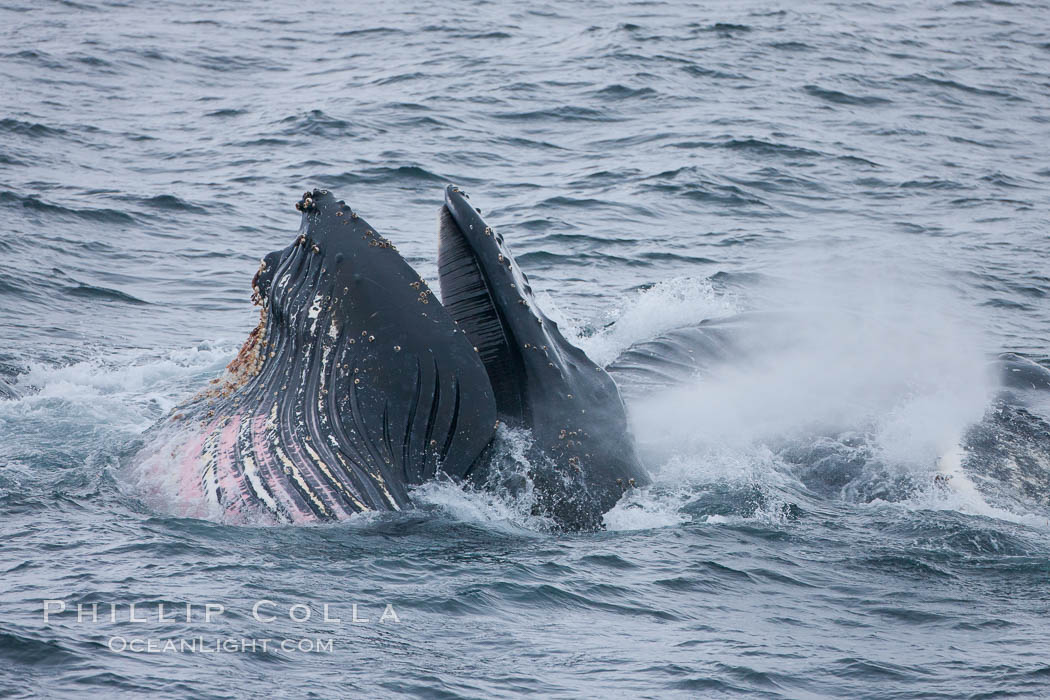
(122, 392)
(952, 489)
(123, 373)
(682, 479)
(642, 510)
(673, 303)
(495, 503)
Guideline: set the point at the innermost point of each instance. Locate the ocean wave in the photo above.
(843, 98)
(35, 203)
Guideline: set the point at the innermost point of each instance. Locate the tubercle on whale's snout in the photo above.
(314, 201)
(324, 216)
(308, 200)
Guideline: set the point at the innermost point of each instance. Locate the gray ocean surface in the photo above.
(865, 513)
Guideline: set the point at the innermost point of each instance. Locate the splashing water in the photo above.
(864, 362)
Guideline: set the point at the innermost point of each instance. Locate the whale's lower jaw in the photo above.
(285, 436)
(354, 387)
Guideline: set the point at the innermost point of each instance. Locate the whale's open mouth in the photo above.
(358, 383)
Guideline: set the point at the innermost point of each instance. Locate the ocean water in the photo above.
(857, 505)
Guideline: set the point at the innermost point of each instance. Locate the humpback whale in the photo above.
(358, 383)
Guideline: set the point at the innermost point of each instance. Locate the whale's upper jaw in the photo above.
(541, 381)
(528, 358)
